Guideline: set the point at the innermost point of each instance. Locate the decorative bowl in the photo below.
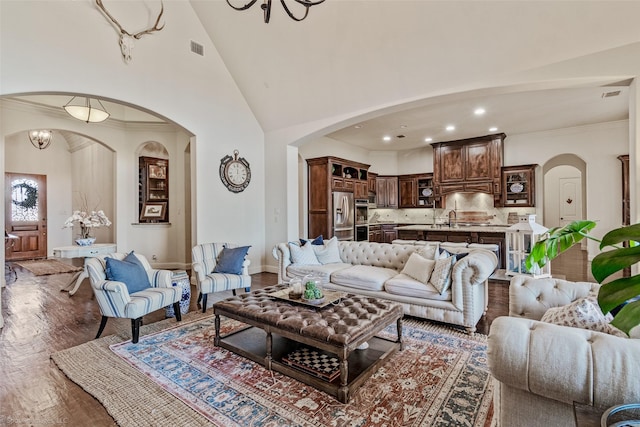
(313, 301)
(85, 242)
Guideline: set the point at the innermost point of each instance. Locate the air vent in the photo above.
(197, 48)
(610, 94)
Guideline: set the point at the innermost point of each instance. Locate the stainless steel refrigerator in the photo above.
(343, 215)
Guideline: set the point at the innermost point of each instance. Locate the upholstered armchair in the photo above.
(541, 369)
(114, 297)
(204, 260)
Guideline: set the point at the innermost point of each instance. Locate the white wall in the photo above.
(164, 77)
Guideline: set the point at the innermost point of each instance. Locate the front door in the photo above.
(26, 215)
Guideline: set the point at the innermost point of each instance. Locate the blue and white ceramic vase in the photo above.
(181, 279)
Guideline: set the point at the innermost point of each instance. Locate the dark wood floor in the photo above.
(40, 320)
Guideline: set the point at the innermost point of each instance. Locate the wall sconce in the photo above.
(85, 111)
(40, 139)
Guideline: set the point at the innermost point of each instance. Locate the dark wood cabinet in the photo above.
(472, 164)
(153, 196)
(626, 207)
(518, 186)
(371, 180)
(387, 192)
(375, 233)
(326, 175)
(389, 233)
(416, 191)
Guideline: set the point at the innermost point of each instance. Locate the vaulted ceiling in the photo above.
(411, 67)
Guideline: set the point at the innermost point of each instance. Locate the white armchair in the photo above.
(541, 369)
(204, 258)
(115, 301)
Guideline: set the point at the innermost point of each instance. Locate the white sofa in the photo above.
(541, 369)
(374, 269)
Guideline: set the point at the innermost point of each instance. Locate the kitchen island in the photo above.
(467, 233)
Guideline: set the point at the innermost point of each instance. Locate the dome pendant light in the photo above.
(86, 112)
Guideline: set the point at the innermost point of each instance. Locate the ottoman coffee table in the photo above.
(279, 330)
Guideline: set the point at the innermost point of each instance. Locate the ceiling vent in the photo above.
(197, 48)
(610, 94)
(400, 136)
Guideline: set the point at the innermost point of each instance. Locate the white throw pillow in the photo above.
(419, 267)
(584, 313)
(428, 251)
(441, 276)
(303, 255)
(329, 252)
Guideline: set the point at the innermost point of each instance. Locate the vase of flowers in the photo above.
(87, 220)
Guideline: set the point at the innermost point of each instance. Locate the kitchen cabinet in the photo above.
(153, 195)
(387, 192)
(518, 186)
(469, 165)
(416, 191)
(375, 233)
(326, 175)
(389, 232)
(372, 182)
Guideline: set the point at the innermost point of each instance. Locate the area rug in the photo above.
(44, 267)
(178, 377)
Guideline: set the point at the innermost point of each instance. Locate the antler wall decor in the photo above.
(126, 38)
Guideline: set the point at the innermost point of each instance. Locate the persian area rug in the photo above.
(178, 377)
(44, 267)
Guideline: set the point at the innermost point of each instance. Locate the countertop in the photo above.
(462, 228)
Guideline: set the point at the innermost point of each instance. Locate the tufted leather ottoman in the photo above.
(338, 328)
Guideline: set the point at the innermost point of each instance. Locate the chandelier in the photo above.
(40, 139)
(266, 8)
(86, 111)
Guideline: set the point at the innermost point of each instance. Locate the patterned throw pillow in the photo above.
(583, 313)
(419, 267)
(441, 276)
(303, 255)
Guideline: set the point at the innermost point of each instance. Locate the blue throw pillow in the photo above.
(128, 271)
(230, 260)
(317, 241)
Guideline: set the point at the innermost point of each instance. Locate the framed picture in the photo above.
(157, 172)
(153, 211)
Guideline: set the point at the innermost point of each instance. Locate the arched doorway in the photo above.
(564, 189)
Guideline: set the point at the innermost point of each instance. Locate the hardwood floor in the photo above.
(40, 320)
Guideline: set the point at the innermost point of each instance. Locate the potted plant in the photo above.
(624, 252)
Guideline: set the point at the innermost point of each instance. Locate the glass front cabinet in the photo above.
(518, 186)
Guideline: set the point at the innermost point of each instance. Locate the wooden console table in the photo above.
(82, 252)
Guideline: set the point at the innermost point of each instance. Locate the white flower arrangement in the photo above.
(87, 221)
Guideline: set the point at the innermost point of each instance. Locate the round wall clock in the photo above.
(235, 172)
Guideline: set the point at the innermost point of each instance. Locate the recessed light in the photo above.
(428, 139)
(403, 126)
(493, 129)
(479, 111)
(386, 138)
(358, 126)
(450, 128)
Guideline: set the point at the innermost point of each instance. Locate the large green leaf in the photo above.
(558, 240)
(619, 235)
(628, 317)
(614, 293)
(607, 263)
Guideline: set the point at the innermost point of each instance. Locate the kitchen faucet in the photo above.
(455, 218)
